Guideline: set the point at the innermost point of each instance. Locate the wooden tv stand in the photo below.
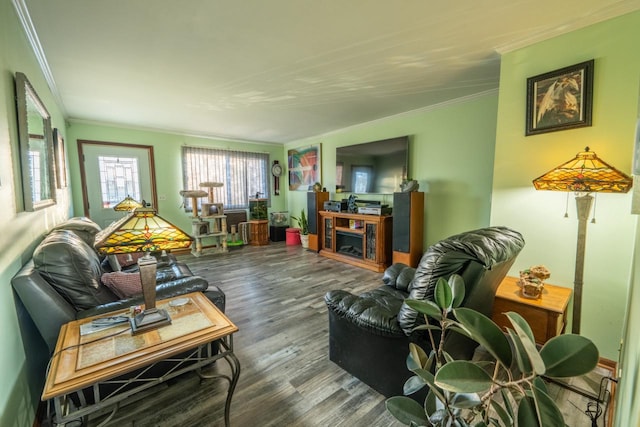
(360, 240)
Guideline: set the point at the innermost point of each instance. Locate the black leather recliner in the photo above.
(62, 282)
(369, 334)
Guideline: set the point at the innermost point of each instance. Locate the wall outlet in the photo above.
(162, 197)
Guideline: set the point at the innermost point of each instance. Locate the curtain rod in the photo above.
(225, 149)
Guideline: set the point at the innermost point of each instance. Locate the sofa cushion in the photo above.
(119, 261)
(82, 226)
(124, 285)
(72, 267)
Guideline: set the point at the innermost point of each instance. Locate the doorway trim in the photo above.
(83, 178)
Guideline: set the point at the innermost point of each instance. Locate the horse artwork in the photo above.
(560, 99)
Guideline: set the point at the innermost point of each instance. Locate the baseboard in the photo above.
(612, 367)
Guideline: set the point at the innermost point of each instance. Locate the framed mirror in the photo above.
(36, 147)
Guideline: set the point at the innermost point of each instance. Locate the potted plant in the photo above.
(507, 391)
(304, 228)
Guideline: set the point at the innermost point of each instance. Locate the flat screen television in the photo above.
(376, 167)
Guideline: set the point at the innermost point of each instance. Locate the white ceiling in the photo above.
(281, 70)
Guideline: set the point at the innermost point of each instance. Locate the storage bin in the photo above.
(293, 236)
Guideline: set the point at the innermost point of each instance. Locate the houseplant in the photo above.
(304, 228)
(507, 391)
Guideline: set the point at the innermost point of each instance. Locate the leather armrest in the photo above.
(164, 290)
(375, 311)
(47, 308)
(399, 276)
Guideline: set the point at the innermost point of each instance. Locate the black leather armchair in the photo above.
(369, 334)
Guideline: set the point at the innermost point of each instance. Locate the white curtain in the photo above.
(243, 175)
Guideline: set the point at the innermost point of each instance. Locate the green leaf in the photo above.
(413, 384)
(425, 307)
(527, 416)
(417, 357)
(447, 357)
(540, 384)
(459, 330)
(432, 403)
(425, 375)
(430, 361)
(517, 318)
(502, 413)
(524, 365)
(485, 333)
(506, 401)
(442, 294)
(549, 413)
(457, 289)
(429, 379)
(525, 334)
(463, 377)
(569, 356)
(465, 400)
(438, 417)
(406, 410)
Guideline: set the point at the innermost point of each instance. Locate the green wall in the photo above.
(551, 238)
(451, 156)
(19, 231)
(168, 163)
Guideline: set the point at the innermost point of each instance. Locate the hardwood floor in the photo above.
(275, 295)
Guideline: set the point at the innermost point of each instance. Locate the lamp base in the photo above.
(149, 319)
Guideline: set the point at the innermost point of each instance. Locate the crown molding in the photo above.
(605, 14)
(168, 131)
(32, 36)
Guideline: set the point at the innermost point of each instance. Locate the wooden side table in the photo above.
(259, 232)
(546, 315)
(199, 334)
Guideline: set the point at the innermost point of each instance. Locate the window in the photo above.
(362, 177)
(118, 179)
(36, 173)
(339, 169)
(243, 175)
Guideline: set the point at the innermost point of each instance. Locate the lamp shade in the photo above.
(143, 230)
(585, 173)
(127, 204)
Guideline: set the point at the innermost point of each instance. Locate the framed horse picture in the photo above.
(560, 99)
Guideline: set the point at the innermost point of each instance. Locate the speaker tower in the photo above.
(408, 227)
(315, 203)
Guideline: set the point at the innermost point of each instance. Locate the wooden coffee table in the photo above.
(96, 362)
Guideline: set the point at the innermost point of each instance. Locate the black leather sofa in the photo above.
(369, 334)
(62, 281)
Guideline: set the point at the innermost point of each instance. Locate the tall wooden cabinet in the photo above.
(361, 240)
(315, 204)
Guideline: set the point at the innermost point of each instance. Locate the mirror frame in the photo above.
(25, 91)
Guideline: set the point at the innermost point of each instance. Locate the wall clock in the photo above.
(276, 171)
